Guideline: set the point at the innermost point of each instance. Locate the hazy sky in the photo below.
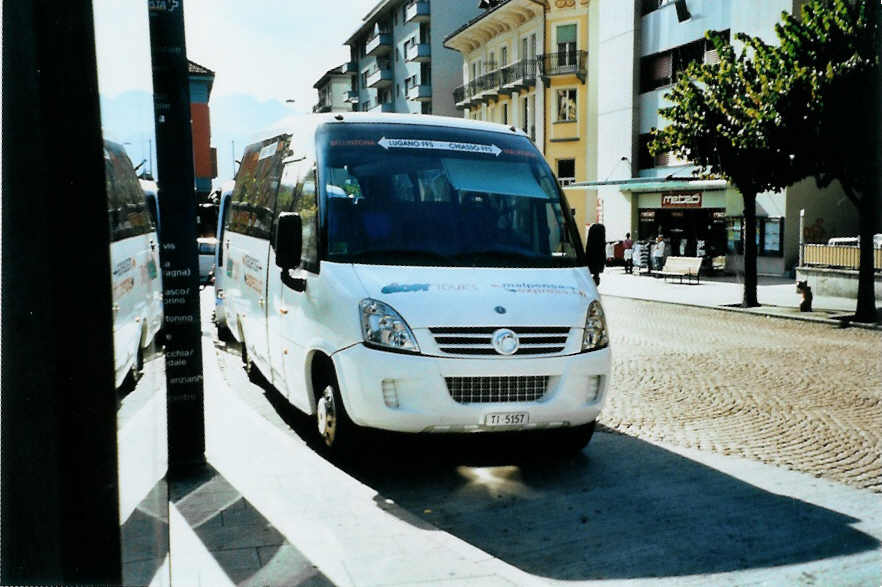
(271, 49)
(263, 53)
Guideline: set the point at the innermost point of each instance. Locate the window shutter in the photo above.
(566, 34)
(663, 67)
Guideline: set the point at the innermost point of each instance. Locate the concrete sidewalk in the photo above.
(777, 295)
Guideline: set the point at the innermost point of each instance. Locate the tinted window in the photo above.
(127, 207)
(257, 182)
(418, 195)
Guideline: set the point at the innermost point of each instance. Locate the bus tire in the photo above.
(336, 430)
(224, 334)
(570, 441)
(138, 367)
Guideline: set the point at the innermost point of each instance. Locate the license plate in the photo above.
(507, 419)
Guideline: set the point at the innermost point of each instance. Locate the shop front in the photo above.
(693, 223)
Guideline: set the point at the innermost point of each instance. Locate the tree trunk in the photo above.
(866, 297)
(749, 299)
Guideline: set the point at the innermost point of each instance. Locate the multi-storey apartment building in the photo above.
(399, 60)
(333, 90)
(526, 63)
(642, 46)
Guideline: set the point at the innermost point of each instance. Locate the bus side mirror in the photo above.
(289, 240)
(595, 250)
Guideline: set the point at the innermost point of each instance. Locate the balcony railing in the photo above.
(379, 44)
(420, 93)
(418, 53)
(381, 77)
(417, 11)
(508, 79)
(566, 63)
(518, 76)
(352, 96)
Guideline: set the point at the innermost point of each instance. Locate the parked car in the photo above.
(207, 249)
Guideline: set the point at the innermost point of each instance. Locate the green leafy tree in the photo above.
(825, 74)
(722, 123)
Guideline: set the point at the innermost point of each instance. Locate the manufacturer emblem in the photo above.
(500, 310)
(505, 342)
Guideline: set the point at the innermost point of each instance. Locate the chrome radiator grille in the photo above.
(482, 390)
(534, 340)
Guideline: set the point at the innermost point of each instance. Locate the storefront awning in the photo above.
(655, 184)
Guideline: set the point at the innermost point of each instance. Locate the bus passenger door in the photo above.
(284, 315)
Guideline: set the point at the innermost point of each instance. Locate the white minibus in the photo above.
(134, 263)
(220, 272)
(415, 274)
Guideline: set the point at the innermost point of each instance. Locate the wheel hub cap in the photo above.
(326, 416)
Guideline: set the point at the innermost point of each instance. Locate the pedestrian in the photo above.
(658, 253)
(628, 246)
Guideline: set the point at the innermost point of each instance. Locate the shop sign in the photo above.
(681, 200)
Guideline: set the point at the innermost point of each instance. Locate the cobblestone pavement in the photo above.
(795, 394)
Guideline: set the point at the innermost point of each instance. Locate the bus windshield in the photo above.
(399, 194)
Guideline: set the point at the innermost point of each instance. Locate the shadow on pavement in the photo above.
(249, 549)
(623, 508)
(144, 537)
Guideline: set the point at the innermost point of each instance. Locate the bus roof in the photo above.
(299, 124)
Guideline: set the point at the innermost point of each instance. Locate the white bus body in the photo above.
(439, 286)
(134, 263)
(220, 264)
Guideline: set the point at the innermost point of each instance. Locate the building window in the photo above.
(566, 171)
(769, 236)
(566, 44)
(661, 69)
(505, 114)
(566, 105)
(503, 57)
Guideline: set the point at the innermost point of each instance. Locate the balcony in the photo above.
(381, 107)
(352, 97)
(382, 77)
(419, 53)
(517, 76)
(487, 86)
(418, 11)
(459, 97)
(379, 45)
(568, 63)
(420, 93)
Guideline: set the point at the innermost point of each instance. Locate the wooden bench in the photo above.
(688, 267)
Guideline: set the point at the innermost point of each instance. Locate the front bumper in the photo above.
(425, 405)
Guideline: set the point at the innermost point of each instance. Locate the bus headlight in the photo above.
(595, 335)
(383, 327)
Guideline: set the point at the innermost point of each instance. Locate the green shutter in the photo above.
(566, 33)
